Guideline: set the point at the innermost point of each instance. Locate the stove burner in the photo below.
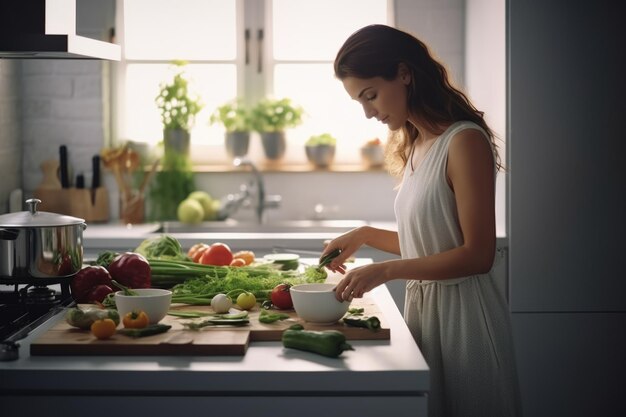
(40, 296)
(24, 308)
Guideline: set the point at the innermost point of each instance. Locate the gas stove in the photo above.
(25, 305)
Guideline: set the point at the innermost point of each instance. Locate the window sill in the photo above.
(285, 167)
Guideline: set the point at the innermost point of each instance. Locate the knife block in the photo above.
(76, 202)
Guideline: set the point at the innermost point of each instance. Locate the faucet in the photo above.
(263, 202)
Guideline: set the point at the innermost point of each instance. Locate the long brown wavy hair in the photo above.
(377, 51)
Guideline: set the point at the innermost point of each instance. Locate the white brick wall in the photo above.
(63, 105)
(10, 114)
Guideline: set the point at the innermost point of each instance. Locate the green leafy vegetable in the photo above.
(161, 247)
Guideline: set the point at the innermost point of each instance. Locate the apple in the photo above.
(190, 211)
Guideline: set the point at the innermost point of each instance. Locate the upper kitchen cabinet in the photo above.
(565, 129)
(48, 29)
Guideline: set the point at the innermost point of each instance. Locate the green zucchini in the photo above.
(329, 343)
(372, 323)
(149, 330)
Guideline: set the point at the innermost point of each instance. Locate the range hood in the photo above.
(47, 29)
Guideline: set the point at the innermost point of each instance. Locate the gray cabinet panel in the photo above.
(565, 135)
(571, 364)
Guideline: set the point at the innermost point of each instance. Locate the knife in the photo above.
(95, 177)
(65, 177)
(95, 166)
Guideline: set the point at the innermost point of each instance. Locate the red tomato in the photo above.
(218, 254)
(197, 254)
(281, 297)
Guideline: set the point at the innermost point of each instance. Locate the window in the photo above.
(288, 52)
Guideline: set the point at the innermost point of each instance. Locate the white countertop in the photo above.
(394, 367)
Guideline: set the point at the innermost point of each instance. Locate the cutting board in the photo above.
(64, 340)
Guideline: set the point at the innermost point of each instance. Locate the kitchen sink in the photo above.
(278, 226)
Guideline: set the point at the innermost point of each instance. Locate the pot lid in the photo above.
(34, 218)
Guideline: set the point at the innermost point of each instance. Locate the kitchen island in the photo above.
(377, 378)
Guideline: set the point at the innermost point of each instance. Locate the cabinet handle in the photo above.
(247, 46)
(260, 44)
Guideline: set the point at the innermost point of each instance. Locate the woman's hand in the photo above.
(348, 243)
(361, 280)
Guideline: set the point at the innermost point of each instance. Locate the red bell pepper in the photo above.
(131, 270)
(91, 284)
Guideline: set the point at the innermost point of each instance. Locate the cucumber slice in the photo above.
(287, 261)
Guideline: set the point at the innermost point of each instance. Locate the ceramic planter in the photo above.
(274, 144)
(320, 155)
(176, 140)
(237, 143)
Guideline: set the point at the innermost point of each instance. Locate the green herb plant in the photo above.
(276, 115)
(171, 185)
(233, 116)
(323, 139)
(177, 105)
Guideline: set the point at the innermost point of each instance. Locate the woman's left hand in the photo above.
(360, 280)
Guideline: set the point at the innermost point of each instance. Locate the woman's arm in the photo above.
(471, 177)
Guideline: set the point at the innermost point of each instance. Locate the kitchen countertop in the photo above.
(377, 376)
(116, 236)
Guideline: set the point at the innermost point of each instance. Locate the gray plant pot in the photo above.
(176, 140)
(237, 143)
(274, 144)
(320, 155)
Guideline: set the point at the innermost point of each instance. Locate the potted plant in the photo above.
(271, 117)
(236, 121)
(178, 108)
(320, 149)
(173, 183)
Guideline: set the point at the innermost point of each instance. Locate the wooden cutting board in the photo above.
(64, 340)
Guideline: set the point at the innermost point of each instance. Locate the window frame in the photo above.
(252, 15)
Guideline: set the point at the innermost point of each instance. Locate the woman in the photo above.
(446, 157)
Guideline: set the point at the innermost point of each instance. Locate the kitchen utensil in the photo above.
(80, 181)
(65, 176)
(37, 244)
(95, 168)
(316, 303)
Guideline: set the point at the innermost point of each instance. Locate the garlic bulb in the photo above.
(221, 303)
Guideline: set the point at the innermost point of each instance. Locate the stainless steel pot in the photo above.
(37, 244)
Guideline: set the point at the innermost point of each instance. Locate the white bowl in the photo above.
(154, 302)
(316, 303)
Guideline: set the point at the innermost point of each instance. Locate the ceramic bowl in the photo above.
(154, 302)
(316, 303)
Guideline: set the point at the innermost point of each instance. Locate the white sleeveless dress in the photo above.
(461, 325)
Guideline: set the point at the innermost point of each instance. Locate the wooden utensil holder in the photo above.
(76, 202)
